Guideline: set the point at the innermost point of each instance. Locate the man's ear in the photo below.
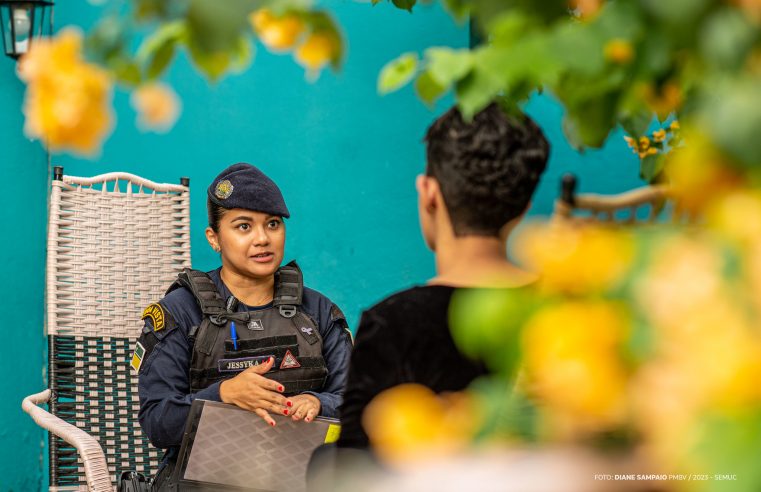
(427, 188)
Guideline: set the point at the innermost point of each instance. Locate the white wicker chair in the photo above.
(620, 209)
(115, 242)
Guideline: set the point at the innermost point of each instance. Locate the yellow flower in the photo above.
(575, 260)
(619, 51)
(68, 101)
(316, 51)
(586, 8)
(684, 277)
(573, 366)
(644, 143)
(699, 174)
(738, 217)
(632, 142)
(659, 135)
(663, 101)
(409, 423)
(157, 106)
(674, 125)
(751, 7)
(276, 33)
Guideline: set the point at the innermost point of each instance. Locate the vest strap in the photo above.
(289, 288)
(203, 289)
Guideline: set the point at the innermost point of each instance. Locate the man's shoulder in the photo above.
(414, 299)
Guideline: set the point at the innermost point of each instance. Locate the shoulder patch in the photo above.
(337, 316)
(137, 357)
(155, 312)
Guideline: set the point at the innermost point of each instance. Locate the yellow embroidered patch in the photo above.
(137, 357)
(156, 313)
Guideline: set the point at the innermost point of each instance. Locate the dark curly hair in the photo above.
(487, 168)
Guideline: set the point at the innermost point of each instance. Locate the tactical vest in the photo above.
(283, 330)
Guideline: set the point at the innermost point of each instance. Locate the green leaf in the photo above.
(427, 88)
(447, 66)
(157, 50)
(405, 4)
(476, 91)
(216, 26)
(486, 325)
(397, 73)
(126, 72)
(242, 56)
(727, 38)
(459, 9)
(213, 65)
(651, 167)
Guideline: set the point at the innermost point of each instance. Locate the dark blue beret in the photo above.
(244, 186)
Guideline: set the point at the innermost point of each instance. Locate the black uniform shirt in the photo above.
(403, 339)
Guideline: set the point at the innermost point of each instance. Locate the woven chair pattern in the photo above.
(115, 243)
(620, 209)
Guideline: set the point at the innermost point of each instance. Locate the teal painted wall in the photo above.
(344, 157)
(23, 197)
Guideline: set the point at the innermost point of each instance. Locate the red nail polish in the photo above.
(280, 388)
(285, 412)
(289, 403)
(272, 424)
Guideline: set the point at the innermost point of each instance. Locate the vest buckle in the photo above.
(287, 311)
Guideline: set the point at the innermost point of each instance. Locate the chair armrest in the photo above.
(96, 468)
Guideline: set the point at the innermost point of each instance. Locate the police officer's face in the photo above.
(251, 243)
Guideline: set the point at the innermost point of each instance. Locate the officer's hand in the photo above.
(305, 406)
(252, 391)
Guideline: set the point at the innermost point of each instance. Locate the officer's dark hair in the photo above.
(487, 168)
(215, 214)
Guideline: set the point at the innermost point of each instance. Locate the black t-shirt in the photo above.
(403, 339)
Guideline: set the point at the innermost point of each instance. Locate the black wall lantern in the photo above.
(22, 22)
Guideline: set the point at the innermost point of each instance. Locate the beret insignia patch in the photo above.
(224, 189)
(156, 313)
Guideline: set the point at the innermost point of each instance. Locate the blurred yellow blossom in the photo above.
(683, 277)
(573, 365)
(277, 33)
(575, 259)
(751, 7)
(663, 100)
(699, 174)
(619, 51)
(68, 101)
(409, 423)
(157, 106)
(738, 217)
(586, 8)
(316, 51)
(642, 146)
(659, 135)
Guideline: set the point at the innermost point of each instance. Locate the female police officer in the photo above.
(247, 333)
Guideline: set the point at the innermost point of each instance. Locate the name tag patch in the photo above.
(237, 365)
(255, 324)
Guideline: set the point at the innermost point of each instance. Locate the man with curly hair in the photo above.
(478, 184)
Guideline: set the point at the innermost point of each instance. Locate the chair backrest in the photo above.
(115, 243)
(624, 208)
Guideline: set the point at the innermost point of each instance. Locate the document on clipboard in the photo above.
(228, 448)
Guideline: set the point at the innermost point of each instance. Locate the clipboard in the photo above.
(225, 447)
